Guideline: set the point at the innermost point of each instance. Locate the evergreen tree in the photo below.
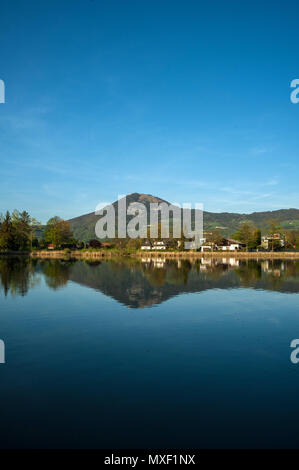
(7, 235)
(21, 223)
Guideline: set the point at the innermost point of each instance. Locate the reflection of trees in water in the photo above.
(178, 272)
(117, 265)
(279, 275)
(139, 283)
(175, 276)
(93, 262)
(56, 272)
(249, 272)
(17, 275)
(216, 271)
(159, 272)
(155, 276)
(291, 268)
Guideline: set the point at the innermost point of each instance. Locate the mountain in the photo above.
(83, 226)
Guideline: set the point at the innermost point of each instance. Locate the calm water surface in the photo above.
(138, 354)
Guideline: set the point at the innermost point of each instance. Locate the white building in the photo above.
(159, 245)
(270, 241)
(231, 245)
(146, 245)
(156, 245)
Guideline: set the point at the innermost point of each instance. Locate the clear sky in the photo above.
(185, 100)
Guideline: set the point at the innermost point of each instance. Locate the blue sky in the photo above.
(185, 100)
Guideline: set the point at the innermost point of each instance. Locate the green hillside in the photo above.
(83, 226)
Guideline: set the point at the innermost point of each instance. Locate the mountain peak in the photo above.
(143, 198)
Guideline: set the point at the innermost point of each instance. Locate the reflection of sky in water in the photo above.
(209, 366)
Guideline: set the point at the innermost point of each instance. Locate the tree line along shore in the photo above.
(21, 233)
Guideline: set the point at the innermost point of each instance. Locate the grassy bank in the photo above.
(165, 254)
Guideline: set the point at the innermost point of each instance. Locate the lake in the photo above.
(140, 354)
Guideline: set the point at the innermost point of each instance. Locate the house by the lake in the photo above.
(228, 244)
(272, 241)
(159, 245)
(154, 245)
(147, 245)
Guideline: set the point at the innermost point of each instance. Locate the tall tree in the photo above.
(57, 231)
(244, 234)
(7, 235)
(248, 234)
(34, 226)
(21, 222)
(215, 237)
(256, 238)
(274, 228)
(291, 237)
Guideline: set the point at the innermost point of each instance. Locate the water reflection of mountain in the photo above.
(141, 283)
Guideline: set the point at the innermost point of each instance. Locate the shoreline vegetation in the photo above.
(21, 234)
(80, 254)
